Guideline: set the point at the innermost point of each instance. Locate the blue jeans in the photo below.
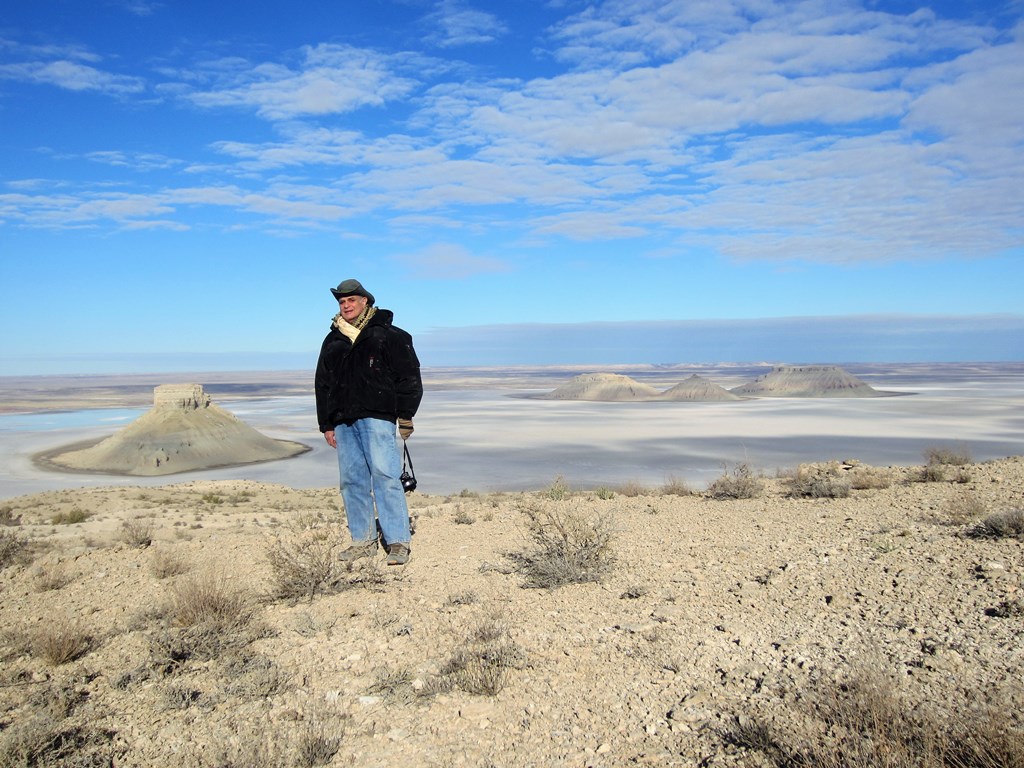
(370, 468)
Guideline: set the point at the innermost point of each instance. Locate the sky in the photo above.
(521, 182)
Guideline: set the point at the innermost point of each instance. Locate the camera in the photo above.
(408, 482)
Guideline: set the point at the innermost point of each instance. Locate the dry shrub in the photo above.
(865, 478)
(963, 508)
(253, 747)
(305, 562)
(71, 517)
(632, 489)
(945, 455)
(676, 487)
(558, 490)
(480, 665)
(7, 516)
(819, 481)
(253, 677)
(566, 547)
(863, 723)
(209, 599)
(57, 643)
(137, 534)
(740, 483)
(931, 473)
(44, 740)
(166, 563)
(462, 517)
(47, 578)
(462, 598)
(206, 619)
(14, 549)
(394, 685)
(318, 743)
(1001, 525)
(177, 697)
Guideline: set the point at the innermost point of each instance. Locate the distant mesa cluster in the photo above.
(781, 381)
(184, 431)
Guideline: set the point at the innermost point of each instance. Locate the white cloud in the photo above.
(331, 79)
(448, 261)
(456, 23)
(760, 129)
(71, 76)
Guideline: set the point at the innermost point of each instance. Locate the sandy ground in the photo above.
(713, 614)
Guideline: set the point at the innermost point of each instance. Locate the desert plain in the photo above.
(770, 613)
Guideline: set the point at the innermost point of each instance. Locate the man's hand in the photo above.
(405, 428)
(330, 438)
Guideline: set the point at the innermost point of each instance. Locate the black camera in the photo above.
(408, 476)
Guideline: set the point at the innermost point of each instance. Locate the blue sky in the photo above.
(520, 181)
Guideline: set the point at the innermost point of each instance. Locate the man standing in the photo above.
(367, 379)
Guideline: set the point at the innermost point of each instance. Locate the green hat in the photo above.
(352, 288)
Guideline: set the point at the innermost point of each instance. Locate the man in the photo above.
(367, 379)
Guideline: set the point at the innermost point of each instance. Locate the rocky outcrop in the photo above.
(807, 381)
(184, 431)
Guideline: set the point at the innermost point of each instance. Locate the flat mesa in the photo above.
(183, 431)
(807, 381)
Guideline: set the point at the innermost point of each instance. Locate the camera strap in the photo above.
(406, 458)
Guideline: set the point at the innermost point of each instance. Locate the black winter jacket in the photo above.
(377, 377)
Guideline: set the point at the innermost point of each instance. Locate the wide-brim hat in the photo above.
(352, 288)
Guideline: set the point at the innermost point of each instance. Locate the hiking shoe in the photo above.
(357, 550)
(398, 554)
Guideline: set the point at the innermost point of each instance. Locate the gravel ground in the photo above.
(704, 615)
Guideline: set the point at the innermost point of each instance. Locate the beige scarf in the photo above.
(351, 330)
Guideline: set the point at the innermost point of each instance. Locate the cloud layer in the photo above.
(758, 130)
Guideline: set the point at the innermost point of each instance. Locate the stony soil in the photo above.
(715, 612)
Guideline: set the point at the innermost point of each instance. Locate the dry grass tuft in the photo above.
(305, 562)
(393, 684)
(566, 547)
(480, 665)
(1001, 525)
(206, 619)
(947, 456)
(863, 723)
(961, 509)
(44, 740)
(632, 489)
(558, 490)
(71, 517)
(819, 481)
(47, 578)
(740, 483)
(462, 598)
(676, 487)
(7, 516)
(253, 677)
(166, 562)
(462, 517)
(318, 743)
(58, 643)
(865, 478)
(14, 549)
(137, 534)
(931, 473)
(208, 599)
